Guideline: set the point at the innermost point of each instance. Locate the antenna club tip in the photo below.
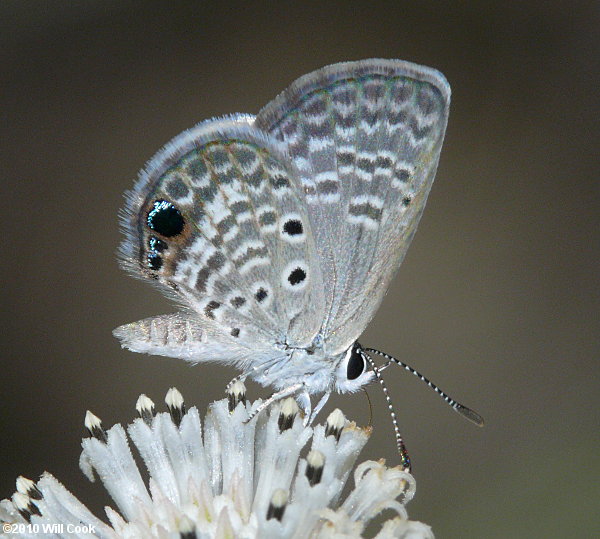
(471, 415)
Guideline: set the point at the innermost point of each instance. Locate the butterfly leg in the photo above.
(303, 400)
(285, 392)
(322, 402)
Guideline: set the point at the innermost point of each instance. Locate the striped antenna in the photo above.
(404, 458)
(467, 413)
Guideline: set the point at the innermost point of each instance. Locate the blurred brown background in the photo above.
(497, 300)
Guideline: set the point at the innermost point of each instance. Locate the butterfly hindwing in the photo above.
(217, 219)
(365, 137)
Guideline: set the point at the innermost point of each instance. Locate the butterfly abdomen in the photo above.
(167, 331)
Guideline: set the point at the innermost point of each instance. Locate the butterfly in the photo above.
(280, 233)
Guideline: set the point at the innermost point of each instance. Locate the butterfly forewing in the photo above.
(365, 137)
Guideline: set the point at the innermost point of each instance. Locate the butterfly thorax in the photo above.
(317, 370)
(310, 366)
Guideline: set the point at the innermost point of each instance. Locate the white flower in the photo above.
(231, 478)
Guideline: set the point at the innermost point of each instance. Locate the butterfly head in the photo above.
(352, 372)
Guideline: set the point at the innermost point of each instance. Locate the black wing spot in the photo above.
(210, 308)
(238, 301)
(177, 189)
(165, 219)
(261, 295)
(235, 332)
(366, 164)
(406, 201)
(279, 182)
(402, 175)
(154, 261)
(154, 244)
(267, 218)
(293, 227)
(296, 276)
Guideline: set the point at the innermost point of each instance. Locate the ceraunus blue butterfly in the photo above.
(281, 232)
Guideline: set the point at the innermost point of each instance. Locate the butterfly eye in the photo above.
(356, 364)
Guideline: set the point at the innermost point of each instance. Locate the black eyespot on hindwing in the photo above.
(261, 295)
(154, 261)
(238, 302)
(293, 227)
(209, 310)
(296, 276)
(156, 245)
(165, 219)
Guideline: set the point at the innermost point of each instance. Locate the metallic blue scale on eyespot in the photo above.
(156, 245)
(154, 261)
(165, 219)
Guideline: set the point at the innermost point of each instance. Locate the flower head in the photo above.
(225, 477)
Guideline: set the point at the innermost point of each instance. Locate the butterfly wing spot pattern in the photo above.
(281, 232)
